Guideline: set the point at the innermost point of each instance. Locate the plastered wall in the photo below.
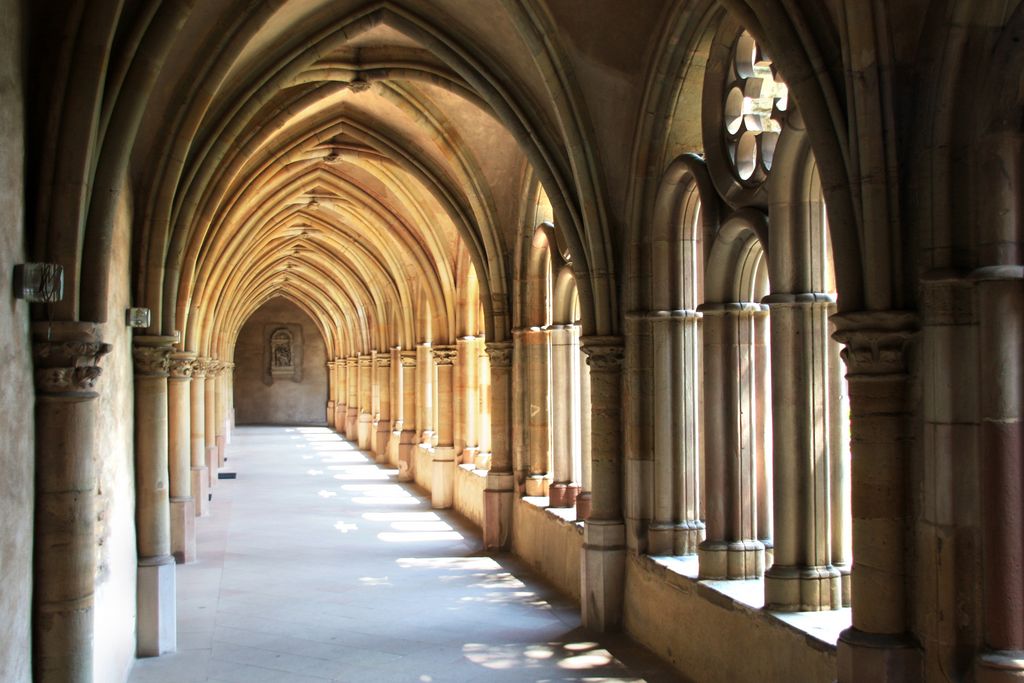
(284, 402)
(17, 393)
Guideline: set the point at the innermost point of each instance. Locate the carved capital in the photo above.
(875, 341)
(365, 361)
(200, 368)
(408, 359)
(444, 355)
(499, 353)
(604, 354)
(68, 367)
(182, 366)
(152, 355)
(383, 360)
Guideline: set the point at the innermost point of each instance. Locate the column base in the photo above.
(802, 589)
(183, 530)
(156, 616)
(537, 485)
(602, 575)
(498, 500)
(330, 414)
(406, 455)
(660, 538)
(583, 503)
(339, 418)
(363, 431)
(62, 636)
(1000, 666)
(201, 490)
(769, 553)
(877, 658)
(426, 438)
(221, 445)
(845, 584)
(442, 470)
(383, 438)
(562, 495)
(351, 423)
(688, 537)
(482, 460)
(731, 559)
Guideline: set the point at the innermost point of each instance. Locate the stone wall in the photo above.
(284, 401)
(17, 453)
(114, 449)
(469, 495)
(549, 544)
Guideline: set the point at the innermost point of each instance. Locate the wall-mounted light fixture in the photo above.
(39, 283)
(138, 317)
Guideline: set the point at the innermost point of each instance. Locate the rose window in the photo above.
(756, 100)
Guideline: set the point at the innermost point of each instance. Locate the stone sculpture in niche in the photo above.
(282, 352)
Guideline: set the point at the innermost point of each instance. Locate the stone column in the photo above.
(482, 460)
(352, 384)
(500, 478)
(839, 468)
(762, 439)
(563, 489)
(383, 406)
(877, 647)
(409, 394)
(332, 393)
(1000, 296)
(221, 411)
(536, 348)
(365, 426)
(156, 585)
(341, 398)
(179, 454)
(442, 493)
(397, 407)
(584, 499)
(213, 369)
(802, 577)
(604, 534)
(732, 549)
(425, 394)
(468, 392)
(518, 425)
(374, 402)
(66, 359)
(197, 428)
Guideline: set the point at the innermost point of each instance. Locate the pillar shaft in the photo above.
(383, 435)
(536, 343)
(442, 492)
(425, 394)
(483, 420)
(563, 410)
(409, 395)
(66, 359)
(332, 393)
(500, 480)
(155, 585)
(467, 440)
(183, 507)
(213, 368)
(197, 427)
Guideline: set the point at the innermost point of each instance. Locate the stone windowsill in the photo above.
(473, 469)
(566, 515)
(824, 627)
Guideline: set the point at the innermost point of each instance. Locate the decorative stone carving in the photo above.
(181, 366)
(68, 366)
(282, 352)
(500, 354)
(444, 355)
(151, 361)
(604, 354)
(875, 341)
(200, 367)
(408, 359)
(383, 360)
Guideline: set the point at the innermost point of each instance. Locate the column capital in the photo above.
(604, 353)
(383, 360)
(200, 367)
(182, 365)
(66, 358)
(407, 358)
(677, 315)
(499, 353)
(364, 360)
(444, 355)
(152, 355)
(875, 341)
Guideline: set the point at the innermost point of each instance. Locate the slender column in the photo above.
(396, 404)
(383, 406)
(364, 428)
(802, 577)
(732, 549)
(179, 445)
(374, 402)
(661, 532)
(459, 377)
(332, 392)
(221, 411)
(564, 489)
(155, 584)
(197, 428)
(352, 383)
(341, 399)
(500, 478)
(213, 369)
(604, 534)
(878, 646)
(762, 439)
(66, 359)
(407, 440)
(686, 412)
(520, 429)
(536, 342)
(839, 468)
(585, 498)
(442, 493)
(425, 394)
(1001, 322)
(482, 460)
(469, 398)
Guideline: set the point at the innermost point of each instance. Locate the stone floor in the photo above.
(318, 566)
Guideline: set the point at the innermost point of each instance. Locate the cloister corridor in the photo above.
(317, 565)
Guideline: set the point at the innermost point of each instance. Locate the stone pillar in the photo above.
(425, 394)
(364, 429)
(409, 393)
(66, 359)
(383, 406)
(468, 392)
(332, 393)
(482, 459)
(197, 428)
(442, 493)
(584, 499)
(1000, 296)
(877, 647)
(732, 549)
(564, 486)
(839, 468)
(396, 404)
(341, 398)
(498, 496)
(213, 369)
(802, 577)
(519, 426)
(156, 586)
(221, 411)
(762, 439)
(352, 385)
(604, 534)
(179, 454)
(536, 347)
